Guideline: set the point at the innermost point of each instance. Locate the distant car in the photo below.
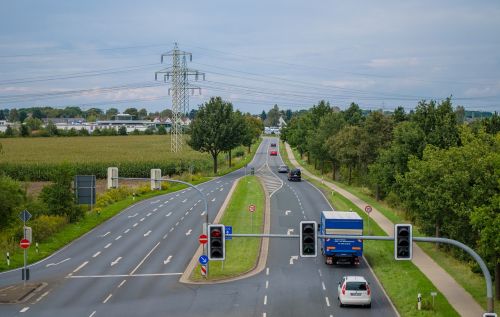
(273, 144)
(283, 169)
(274, 153)
(354, 290)
(294, 175)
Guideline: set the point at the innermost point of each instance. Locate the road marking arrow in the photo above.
(147, 233)
(116, 261)
(293, 257)
(287, 212)
(53, 264)
(167, 260)
(189, 232)
(289, 232)
(134, 215)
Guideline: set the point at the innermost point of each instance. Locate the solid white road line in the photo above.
(80, 267)
(147, 233)
(125, 275)
(42, 296)
(24, 309)
(144, 259)
(107, 245)
(121, 284)
(116, 261)
(168, 215)
(118, 238)
(167, 260)
(327, 301)
(96, 254)
(107, 298)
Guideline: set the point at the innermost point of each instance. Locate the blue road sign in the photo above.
(24, 215)
(203, 259)
(229, 230)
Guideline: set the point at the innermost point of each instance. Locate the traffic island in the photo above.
(244, 257)
(20, 293)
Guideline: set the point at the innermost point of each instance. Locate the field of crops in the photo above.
(36, 159)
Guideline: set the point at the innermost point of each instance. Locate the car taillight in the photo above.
(343, 290)
(368, 291)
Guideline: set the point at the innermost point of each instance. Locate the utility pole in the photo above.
(178, 75)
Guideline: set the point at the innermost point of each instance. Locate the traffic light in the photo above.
(216, 243)
(308, 241)
(403, 242)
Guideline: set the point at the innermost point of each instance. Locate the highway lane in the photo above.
(309, 280)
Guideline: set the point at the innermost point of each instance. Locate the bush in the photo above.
(44, 226)
(239, 153)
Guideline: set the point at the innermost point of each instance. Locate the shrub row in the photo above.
(47, 171)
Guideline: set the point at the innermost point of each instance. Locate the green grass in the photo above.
(73, 231)
(242, 254)
(402, 280)
(461, 272)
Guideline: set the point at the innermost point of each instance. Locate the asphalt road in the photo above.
(130, 265)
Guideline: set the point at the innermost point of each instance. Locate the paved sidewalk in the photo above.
(456, 295)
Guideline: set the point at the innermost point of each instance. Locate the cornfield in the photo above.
(37, 159)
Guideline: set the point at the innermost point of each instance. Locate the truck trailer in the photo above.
(338, 251)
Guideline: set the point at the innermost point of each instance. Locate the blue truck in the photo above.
(341, 250)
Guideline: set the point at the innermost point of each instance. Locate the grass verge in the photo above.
(241, 253)
(402, 280)
(461, 272)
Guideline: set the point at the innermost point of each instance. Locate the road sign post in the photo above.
(368, 210)
(251, 208)
(25, 243)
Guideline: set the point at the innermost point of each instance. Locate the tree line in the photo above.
(442, 172)
(217, 128)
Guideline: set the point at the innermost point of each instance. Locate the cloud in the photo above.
(486, 91)
(394, 62)
(350, 83)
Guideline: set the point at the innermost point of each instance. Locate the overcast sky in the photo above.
(379, 54)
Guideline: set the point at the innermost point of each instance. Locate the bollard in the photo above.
(36, 247)
(419, 301)
(8, 259)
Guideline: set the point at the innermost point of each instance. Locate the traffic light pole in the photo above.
(475, 256)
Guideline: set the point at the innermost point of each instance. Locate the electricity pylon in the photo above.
(178, 75)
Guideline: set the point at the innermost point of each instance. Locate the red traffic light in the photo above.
(215, 233)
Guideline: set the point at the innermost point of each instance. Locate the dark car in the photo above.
(273, 144)
(283, 169)
(294, 175)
